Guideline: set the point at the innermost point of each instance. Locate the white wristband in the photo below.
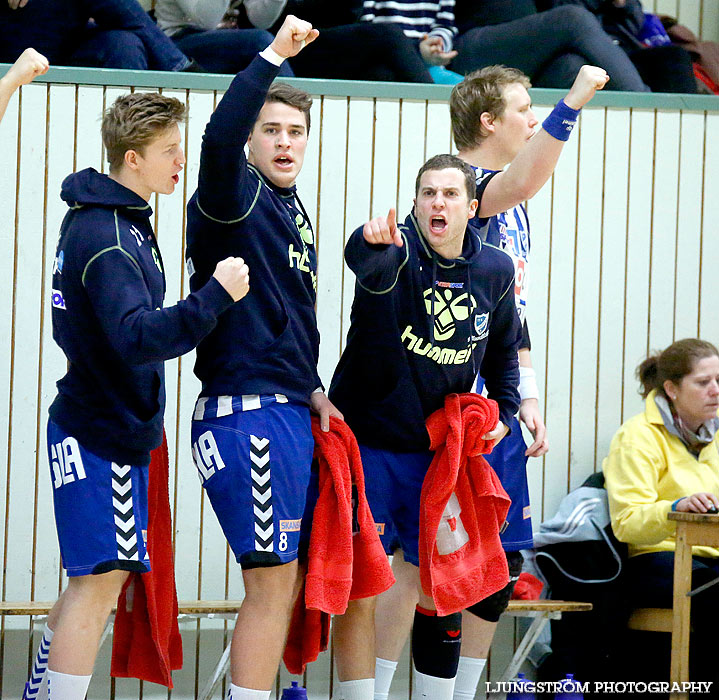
(528, 384)
(271, 56)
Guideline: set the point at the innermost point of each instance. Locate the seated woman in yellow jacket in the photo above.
(667, 458)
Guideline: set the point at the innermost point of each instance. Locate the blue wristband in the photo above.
(674, 505)
(561, 121)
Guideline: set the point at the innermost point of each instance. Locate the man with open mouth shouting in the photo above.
(433, 306)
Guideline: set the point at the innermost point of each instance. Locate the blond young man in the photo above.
(108, 288)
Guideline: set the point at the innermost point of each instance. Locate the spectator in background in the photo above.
(193, 26)
(665, 68)
(30, 64)
(667, 459)
(350, 50)
(430, 27)
(550, 47)
(97, 33)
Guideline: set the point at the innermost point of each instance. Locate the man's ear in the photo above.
(131, 157)
(486, 120)
(472, 208)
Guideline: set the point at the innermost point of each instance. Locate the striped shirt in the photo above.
(415, 18)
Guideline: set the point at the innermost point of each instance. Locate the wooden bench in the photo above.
(651, 620)
(542, 611)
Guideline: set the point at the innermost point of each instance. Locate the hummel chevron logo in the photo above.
(32, 687)
(260, 497)
(121, 473)
(124, 515)
(121, 507)
(262, 493)
(261, 515)
(260, 479)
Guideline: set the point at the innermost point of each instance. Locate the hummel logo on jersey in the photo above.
(66, 462)
(138, 236)
(305, 230)
(58, 300)
(301, 260)
(447, 310)
(442, 356)
(206, 456)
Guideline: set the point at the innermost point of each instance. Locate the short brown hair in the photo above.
(673, 364)
(480, 91)
(133, 121)
(443, 161)
(292, 96)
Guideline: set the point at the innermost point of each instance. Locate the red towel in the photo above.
(342, 565)
(478, 567)
(528, 587)
(146, 639)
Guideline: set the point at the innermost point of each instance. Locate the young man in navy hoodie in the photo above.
(433, 306)
(251, 437)
(108, 287)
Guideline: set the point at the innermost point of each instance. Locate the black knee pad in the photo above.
(436, 642)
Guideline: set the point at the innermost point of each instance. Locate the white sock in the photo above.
(63, 686)
(468, 675)
(362, 689)
(36, 686)
(383, 675)
(433, 687)
(237, 693)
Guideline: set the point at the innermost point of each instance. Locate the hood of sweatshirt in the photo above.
(88, 187)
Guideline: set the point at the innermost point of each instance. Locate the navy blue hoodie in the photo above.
(108, 286)
(269, 343)
(416, 335)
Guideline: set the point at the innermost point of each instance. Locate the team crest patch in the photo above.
(526, 512)
(481, 325)
(290, 525)
(58, 300)
(380, 528)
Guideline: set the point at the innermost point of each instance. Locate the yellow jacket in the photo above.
(647, 469)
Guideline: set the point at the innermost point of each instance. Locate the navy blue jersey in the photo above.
(421, 328)
(108, 286)
(269, 343)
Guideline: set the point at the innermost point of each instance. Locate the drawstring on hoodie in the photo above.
(434, 290)
(475, 369)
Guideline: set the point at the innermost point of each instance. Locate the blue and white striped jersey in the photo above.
(510, 232)
(415, 18)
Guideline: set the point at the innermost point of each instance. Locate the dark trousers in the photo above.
(550, 47)
(122, 34)
(362, 51)
(226, 50)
